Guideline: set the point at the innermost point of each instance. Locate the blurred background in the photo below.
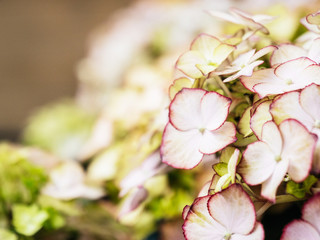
(41, 43)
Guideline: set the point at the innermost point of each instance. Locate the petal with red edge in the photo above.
(185, 109)
(301, 230)
(261, 76)
(269, 187)
(298, 148)
(181, 149)
(187, 64)
(271, 135)
(258, 163)
(256, 234)
(286, 52)
(200, 225)
(260, 117)
(288, 106)
(233, 209)
(214, 110)
(311, 211)
(213, 141)
(310, 101)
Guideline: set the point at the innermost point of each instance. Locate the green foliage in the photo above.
(7, 235)
(27, 220)
(300, 190)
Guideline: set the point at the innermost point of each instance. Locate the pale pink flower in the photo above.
(228, 214)
(305, 107)
(197, 126)
(288, 76)
(285, 149)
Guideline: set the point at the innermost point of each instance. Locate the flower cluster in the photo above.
(257, 107)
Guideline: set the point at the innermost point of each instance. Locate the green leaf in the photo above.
(7, 235)
(28, 220)
(221, 168)
(299, 190)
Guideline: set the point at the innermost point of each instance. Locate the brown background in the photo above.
(40, 44)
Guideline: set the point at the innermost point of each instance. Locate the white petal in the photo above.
(270, 88)
(214, 110)
(271, 135)
(200, 225)
(286, 52)
(258, 163)
(244, 58)
(299, 230)
(233, 209)
(298, 148)
(261, 76)
(187, 64)
(314, 51)
(311, 211)
(260, 117)
(269, 187)
(213, 141)
(262, 52)
(185, 109)
(205, 44)
(256, 234)
(246, 71)
(288, 106)
(310, 101)
(181, 149)
(224, 16)
(301, 72)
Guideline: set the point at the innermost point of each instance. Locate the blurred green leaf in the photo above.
(28, 220)
(299, 190)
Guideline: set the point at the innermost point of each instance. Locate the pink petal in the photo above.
(200, 225)
(311, 211)
(260, 117)
(214, 141)
(310, 101)
(256, 234)
(181, 149)
(258, 163)
(271, 136)
(233, 209)
(269, 187)
(185, 212)
(214, 110)
(288, 106)
(299, 230)
(286, 52)
(185, 109)
(298, 148)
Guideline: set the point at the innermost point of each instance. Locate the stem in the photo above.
(264, 208)
(223, 86)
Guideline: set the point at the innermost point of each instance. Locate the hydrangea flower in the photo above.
(285, 149)
(308, 228)
(197, 126)
(305, 107)
(288, 76)
(205, 55)
(228, 214)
